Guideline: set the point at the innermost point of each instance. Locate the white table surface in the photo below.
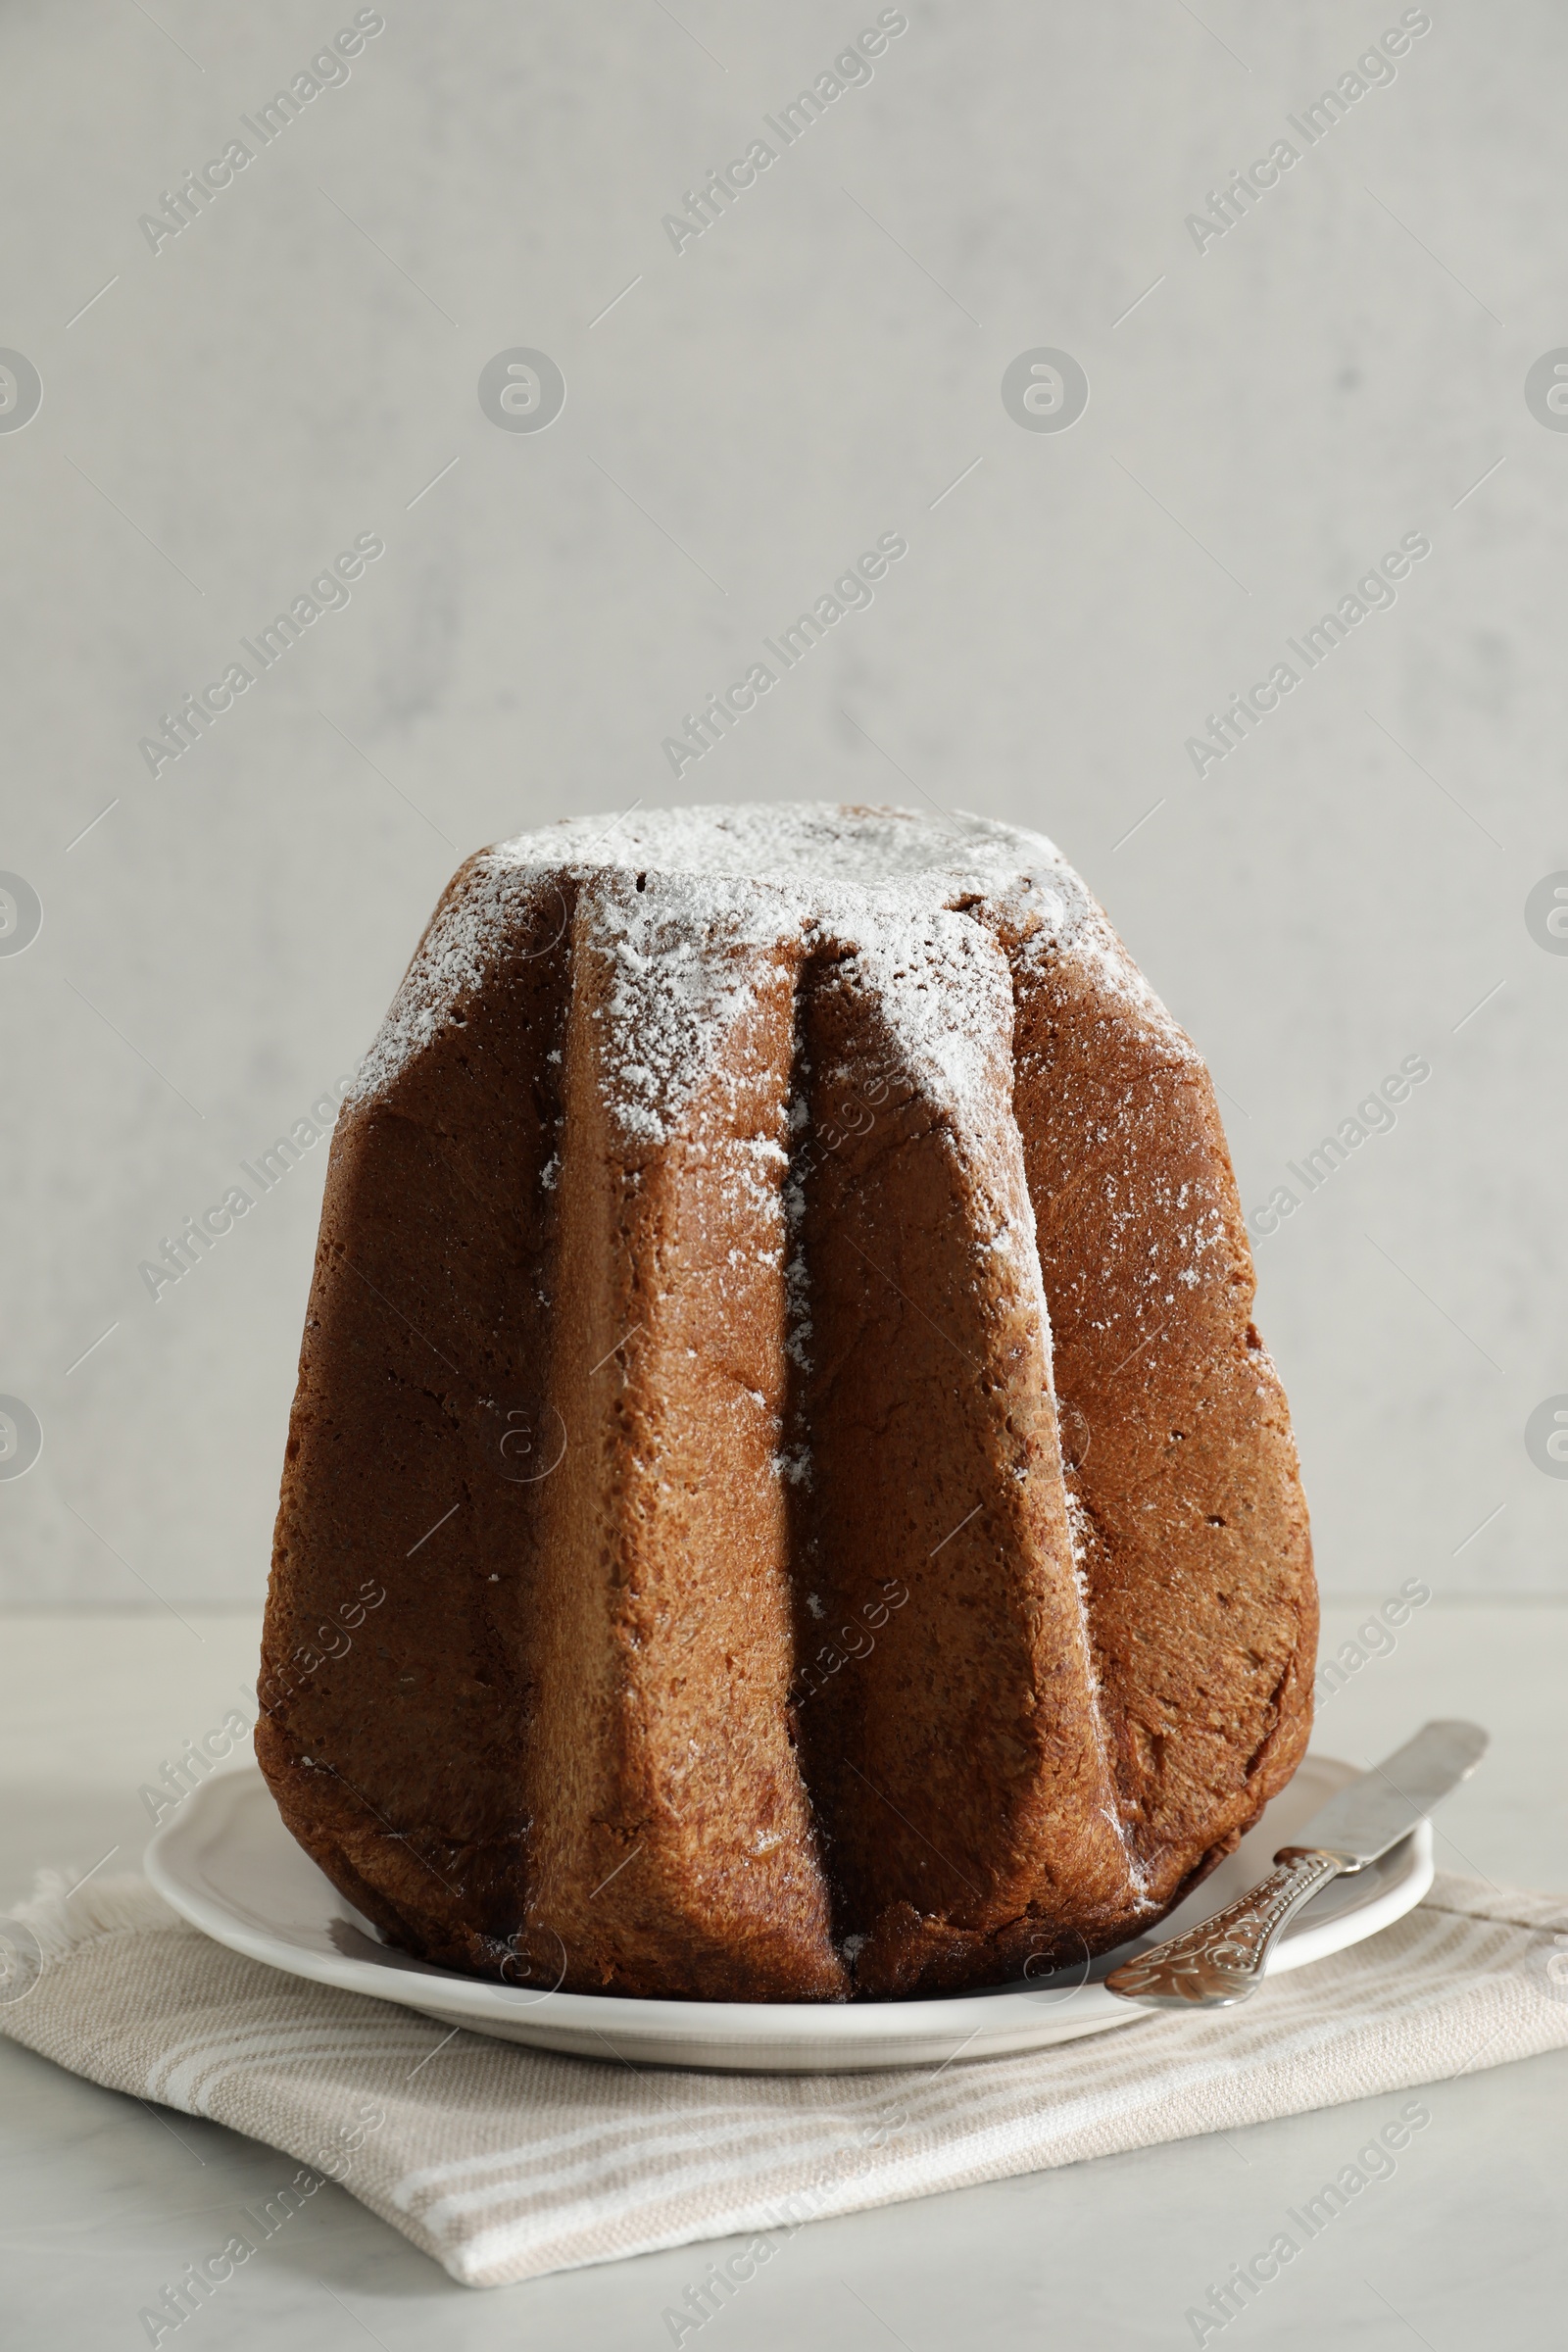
(102, 2199)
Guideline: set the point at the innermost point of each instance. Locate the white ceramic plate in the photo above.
(227, 1864)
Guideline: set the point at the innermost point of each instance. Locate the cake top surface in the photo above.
(751, 873)
(813, 843)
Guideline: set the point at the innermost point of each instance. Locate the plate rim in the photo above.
(901, 2029)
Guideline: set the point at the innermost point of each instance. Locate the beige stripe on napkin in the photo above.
(503, 2162)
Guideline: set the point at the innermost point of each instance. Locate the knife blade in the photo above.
(1375, 1811)
(1222, 1960)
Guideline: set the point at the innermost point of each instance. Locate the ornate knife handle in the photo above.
(1221, 1962)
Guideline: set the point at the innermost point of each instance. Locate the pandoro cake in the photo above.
(780, 1349)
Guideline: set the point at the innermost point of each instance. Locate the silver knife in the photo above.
(1222, 1961)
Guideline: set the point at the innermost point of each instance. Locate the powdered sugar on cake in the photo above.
(818, 859)
(698, 907)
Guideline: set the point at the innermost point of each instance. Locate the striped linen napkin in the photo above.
(503, 2162)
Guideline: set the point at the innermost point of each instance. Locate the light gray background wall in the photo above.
(1336, 371)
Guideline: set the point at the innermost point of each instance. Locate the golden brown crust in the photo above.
(394, 1743)
(948, 1728)
(672, 1848)
(1199, 1560)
